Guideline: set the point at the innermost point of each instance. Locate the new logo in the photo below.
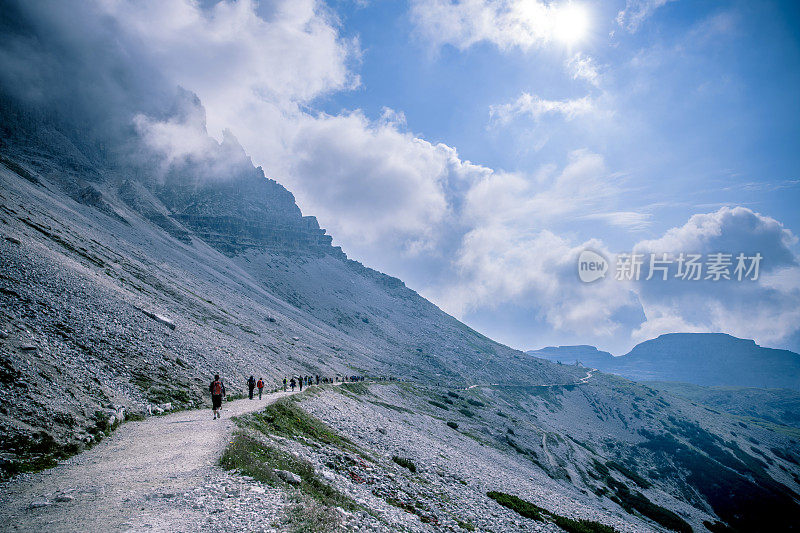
(591, 266)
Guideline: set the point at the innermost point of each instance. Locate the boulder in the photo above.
(289, 477)
(38, 504)
(161, 319)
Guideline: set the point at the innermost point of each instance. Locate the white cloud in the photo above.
(583, 67)
(536, 107)
(765, 310)
(504, 23)
(510, 253)
(371, 181)
(636, 12)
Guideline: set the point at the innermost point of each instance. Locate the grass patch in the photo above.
(469, 526)
(630, 474)
(534, 512)
(453, 395)
(405, 463)
(355, 388)
(260, 461)
(437, 404)
(309, 516)
(284, 417)
(466, 412)
(452, 425)
(518, 505)
(476, 403)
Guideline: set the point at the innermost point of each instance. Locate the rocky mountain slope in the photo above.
(119, 288)
(713, 359)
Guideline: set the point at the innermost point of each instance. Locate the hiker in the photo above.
(301, 384)
(292, 383)
(284, 384)
(251, 384)
(217, 390)
(260, 386)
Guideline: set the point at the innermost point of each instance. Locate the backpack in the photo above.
(260, 384)
(216, 388)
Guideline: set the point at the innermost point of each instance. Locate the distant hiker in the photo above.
(217, 390)
(292, 383)
(301, 384)
(251, 384)
(284, 385)
(260, 386)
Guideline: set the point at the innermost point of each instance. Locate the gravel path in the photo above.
(124, 482)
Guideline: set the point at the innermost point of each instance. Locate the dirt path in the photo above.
(585, 379)
(110, 487)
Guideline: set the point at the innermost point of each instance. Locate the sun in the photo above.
(570, 23)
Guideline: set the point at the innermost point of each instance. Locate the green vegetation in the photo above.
(354, 388)
(532, 511)
(632, 500)
(466, 412)
(476, 403)
(309, 516)
(284, 417)
(469, 526)
(452, 425)
(630, 474)
(405, 463)
(453, 395)
(260, 461)
(437, 404)
(522, 507)
(785, 456)
(741, 493)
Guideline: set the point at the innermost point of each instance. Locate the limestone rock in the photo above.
(289, 477)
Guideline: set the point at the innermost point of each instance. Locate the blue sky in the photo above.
(697, 107)
(475, 148)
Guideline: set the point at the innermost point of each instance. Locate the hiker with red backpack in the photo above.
(260, 386)
(217, 390)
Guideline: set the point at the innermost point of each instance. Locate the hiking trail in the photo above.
(111, 487)
(585, 379)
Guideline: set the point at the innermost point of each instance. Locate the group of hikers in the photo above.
(217, 388)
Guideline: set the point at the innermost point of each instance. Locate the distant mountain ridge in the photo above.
(711, 359)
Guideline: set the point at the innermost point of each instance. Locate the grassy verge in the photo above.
(253, 458)
(354, 388)
(534, 512)
(284, 417)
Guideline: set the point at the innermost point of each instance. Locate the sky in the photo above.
(475, 148)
